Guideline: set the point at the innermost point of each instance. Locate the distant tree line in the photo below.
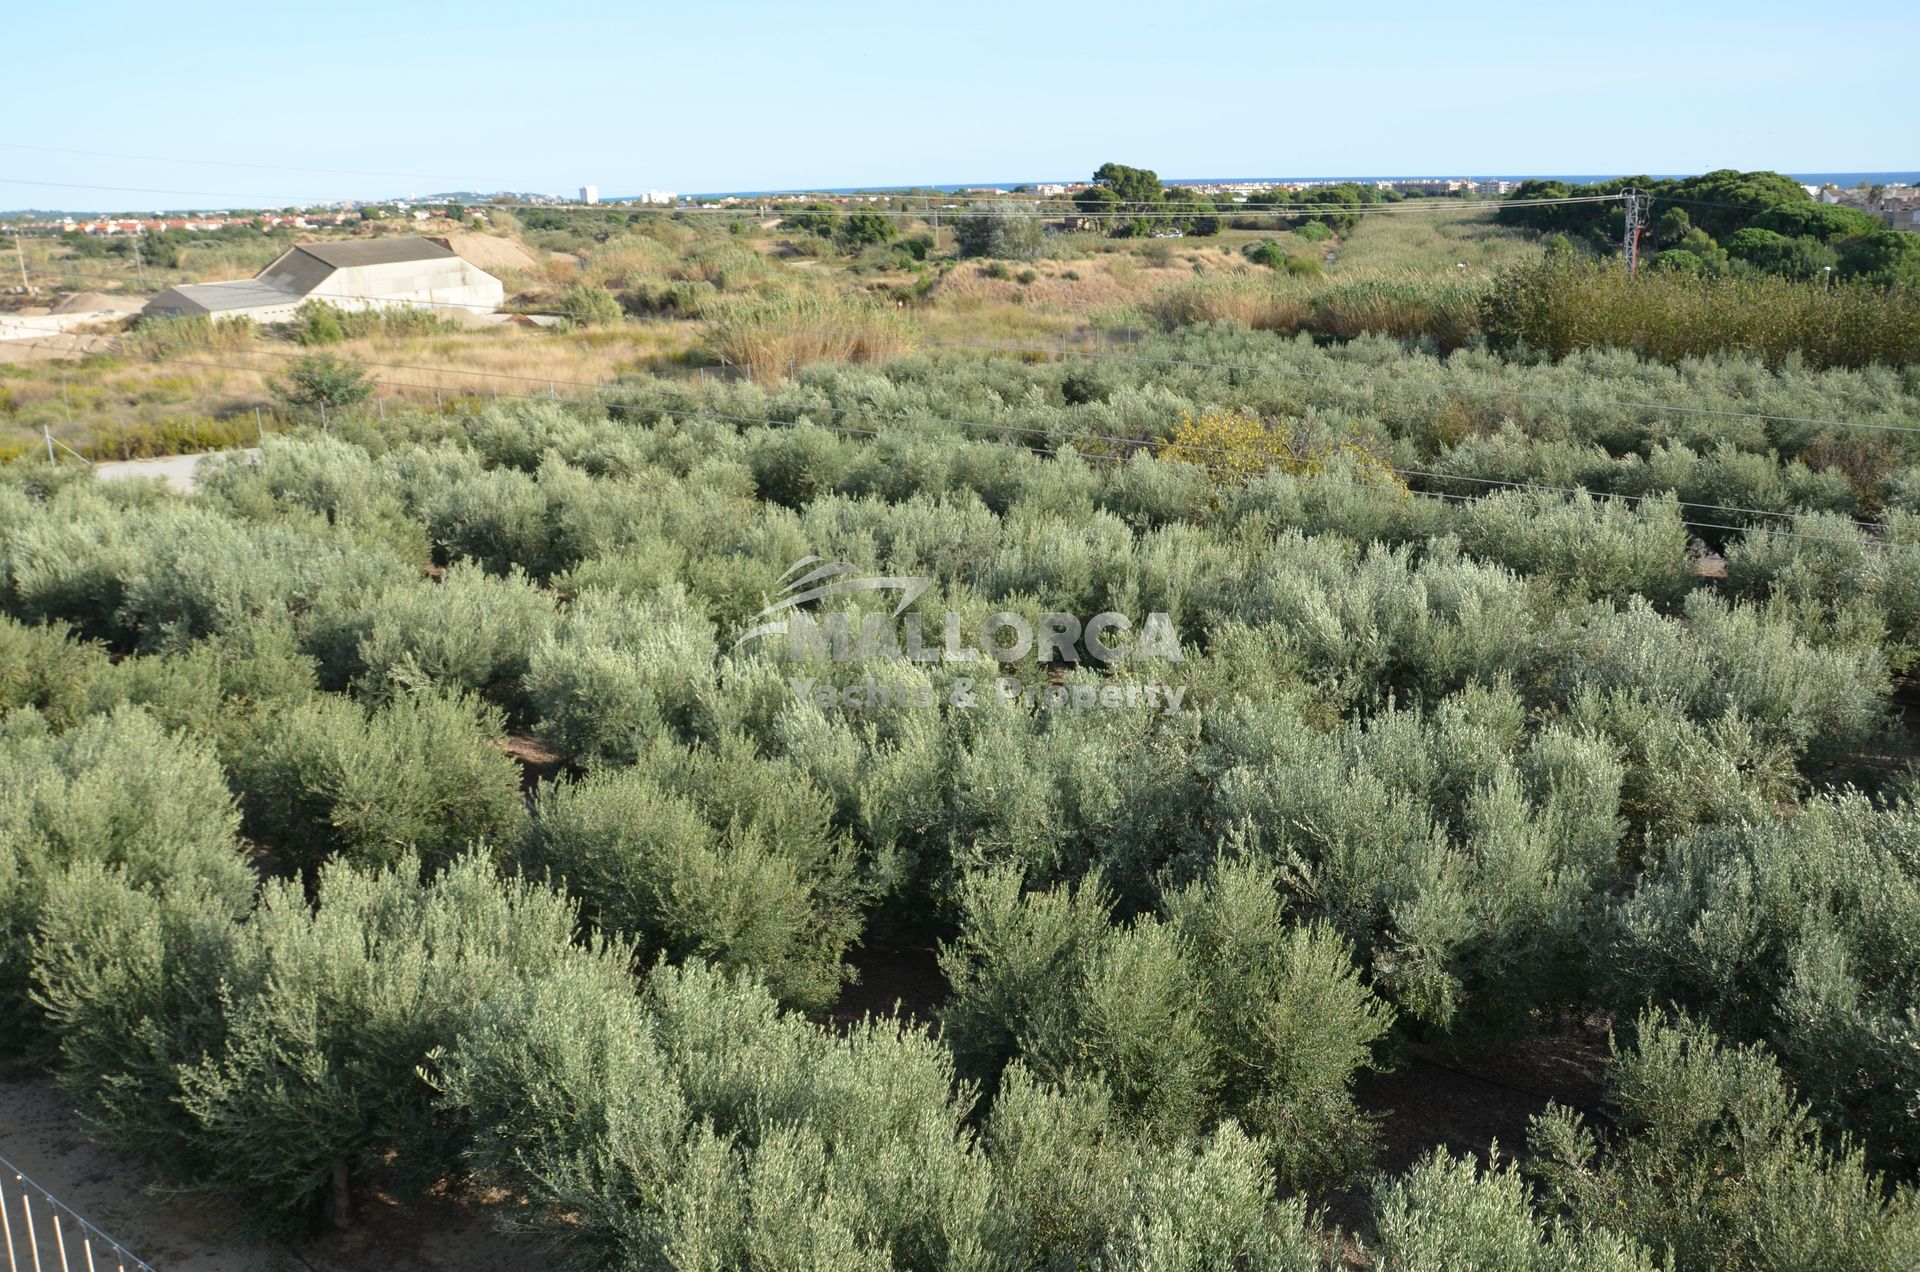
(1726, 223)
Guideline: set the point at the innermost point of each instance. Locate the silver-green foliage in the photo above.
(1799, 931)
(711, 853)
(422, 773)
(1222, 1009)
(1447, 1213)
(617, 673)
(1715, 1160)
(469, 631)
(254, 1061)
(1466, 859)
(697, 1126)
(120, 793)
(1835, 582)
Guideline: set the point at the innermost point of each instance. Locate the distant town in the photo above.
(1898, 204)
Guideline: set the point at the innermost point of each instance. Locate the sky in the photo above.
(180, 106)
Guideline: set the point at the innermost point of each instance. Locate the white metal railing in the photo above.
(57, 1238)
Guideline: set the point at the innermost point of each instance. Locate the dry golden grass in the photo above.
(762, 308)
(105, 405)
(1080, 286)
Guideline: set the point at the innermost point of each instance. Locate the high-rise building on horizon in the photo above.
(589, 194)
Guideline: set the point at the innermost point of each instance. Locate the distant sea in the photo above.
(1805, 178)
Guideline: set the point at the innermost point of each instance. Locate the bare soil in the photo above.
(40, 1134)
(903, 981)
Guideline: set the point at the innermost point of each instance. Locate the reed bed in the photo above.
(1562, 306)
(773, 336)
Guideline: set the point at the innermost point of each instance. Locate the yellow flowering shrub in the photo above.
(1237, 445)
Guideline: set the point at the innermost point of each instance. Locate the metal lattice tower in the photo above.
(1631, 245)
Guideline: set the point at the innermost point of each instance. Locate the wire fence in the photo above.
(43, 1233)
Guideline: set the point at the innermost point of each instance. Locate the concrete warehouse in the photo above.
(409, 272)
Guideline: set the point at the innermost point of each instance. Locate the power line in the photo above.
(228, 163)
(75, 185)
(1433, 385)
(1168, 211)
(1006, 430)
(1196, 364)
(1159, 211)
(1251, 368)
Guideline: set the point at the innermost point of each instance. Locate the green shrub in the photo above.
(320, 383)
(587, 305)
(1888, 259)
(317, 323)
(1448, 1213)
(46, 669)
(1839, 585)
(1076, 1183)
(468, 632)
(1221, 1009)
(697, 1124)
(618, 673)
(1714, 1161)
(709, 854)
(420, 774)
(214, 690)
(1002, 231)
(1467, 867)
(1793, 931)
(120, 793)
(1596, 549)
(268, 1062)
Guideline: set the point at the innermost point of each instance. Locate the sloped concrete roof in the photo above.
(382, 251)
(248, 294)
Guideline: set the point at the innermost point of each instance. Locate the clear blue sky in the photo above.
(741, 95)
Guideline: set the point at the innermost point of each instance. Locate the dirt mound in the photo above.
(98, 302)
(488, 251)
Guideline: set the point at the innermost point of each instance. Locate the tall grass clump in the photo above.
(773, 336)
(1564, 304)
(1248, 299)
(1404, 306)
(1407, 308)
(157, 338)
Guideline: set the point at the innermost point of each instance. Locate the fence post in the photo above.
(323, 417)
(259, 426)
(33, 1242)
(47, 433)
(33, 1258)
(6, 1233)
